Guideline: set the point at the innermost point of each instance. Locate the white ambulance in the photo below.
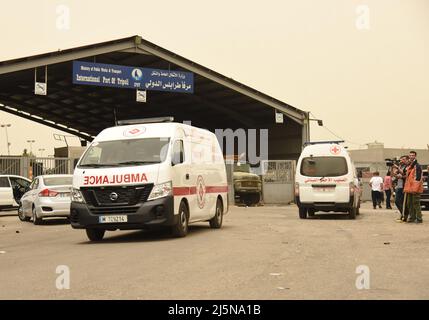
(326, 180)
(143, 175)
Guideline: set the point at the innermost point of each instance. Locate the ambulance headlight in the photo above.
(161, 190)
(77, 196)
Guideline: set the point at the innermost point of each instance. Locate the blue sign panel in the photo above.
(109, 75)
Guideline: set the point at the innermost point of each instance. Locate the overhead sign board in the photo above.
(109, 75)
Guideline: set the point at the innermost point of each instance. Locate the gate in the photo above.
(278, 181)
(32, 167)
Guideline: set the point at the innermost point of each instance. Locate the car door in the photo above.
(181, 173)
(6, 194)
(28, 198)
(19, 187)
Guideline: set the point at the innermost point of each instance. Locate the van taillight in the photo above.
(48, 193)
(296, 189)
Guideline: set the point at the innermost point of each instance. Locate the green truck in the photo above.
(247, 185)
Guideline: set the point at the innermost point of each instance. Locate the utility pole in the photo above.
(31, 145)
(5, 126)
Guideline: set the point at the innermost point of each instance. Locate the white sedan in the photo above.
(49, 196)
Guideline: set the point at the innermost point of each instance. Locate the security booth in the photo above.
(83, 90)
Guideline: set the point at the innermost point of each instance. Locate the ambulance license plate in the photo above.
(112, 219)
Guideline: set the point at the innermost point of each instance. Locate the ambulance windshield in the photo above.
(324, 166)
(125, 152)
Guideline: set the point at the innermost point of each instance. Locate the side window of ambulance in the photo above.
(4, 182)
(178, 155)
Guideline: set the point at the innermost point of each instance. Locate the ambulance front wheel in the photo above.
(216, 221)
(95, 234)
(180, 229)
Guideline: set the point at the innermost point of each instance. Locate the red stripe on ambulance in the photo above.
(186, 191)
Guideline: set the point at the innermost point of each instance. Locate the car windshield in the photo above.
(324, 166)
(125, 152)
(242, 167)
(57, 181)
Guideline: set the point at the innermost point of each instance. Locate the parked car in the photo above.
(326, 180)
(12, 188)
(49, 196)
(424, 198)
(247, 185)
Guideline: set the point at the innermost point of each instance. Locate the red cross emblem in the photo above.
(335, 150)
(134, 132)
(201, 192)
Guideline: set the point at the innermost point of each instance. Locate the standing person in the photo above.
(413, 188)
(376, 184)
(399, 176)
(388, 186)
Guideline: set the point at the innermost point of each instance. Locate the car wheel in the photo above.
(216, 221)
(95, 234)
(36, 219)
(180, 229)
(21, 214)
(352, 213)
(303, 213)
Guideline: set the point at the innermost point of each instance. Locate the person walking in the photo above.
(388, 187)
(376, 184)
(413, 188)
(399, 176)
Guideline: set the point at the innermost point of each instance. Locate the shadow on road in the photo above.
(332, 216)
(162, 234)
(54, 222)
(7, 213)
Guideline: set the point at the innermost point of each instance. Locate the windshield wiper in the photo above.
(137, 162)
(97, 165)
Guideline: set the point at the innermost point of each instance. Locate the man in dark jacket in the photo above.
(414, 180)
(399, 176)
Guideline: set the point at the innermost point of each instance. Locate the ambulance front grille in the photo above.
(114, 210)
(123, 195)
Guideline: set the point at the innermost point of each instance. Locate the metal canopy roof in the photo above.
(217, 101)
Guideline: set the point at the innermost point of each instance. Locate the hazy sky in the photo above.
(361, 66)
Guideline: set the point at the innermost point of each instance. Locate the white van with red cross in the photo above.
(326, 180)
(144, 175)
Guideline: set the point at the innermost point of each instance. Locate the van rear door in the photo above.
(6, 193)
(325, 179)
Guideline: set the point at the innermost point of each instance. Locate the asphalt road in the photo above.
(260, 253)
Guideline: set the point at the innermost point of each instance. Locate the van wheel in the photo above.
(36, 219)
(95, 234)
(311, 212)
(21, 214)
(180, 229)
(216, 221)
(352, 213)
(303, 213)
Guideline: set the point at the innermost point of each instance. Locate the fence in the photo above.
(31, 167)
